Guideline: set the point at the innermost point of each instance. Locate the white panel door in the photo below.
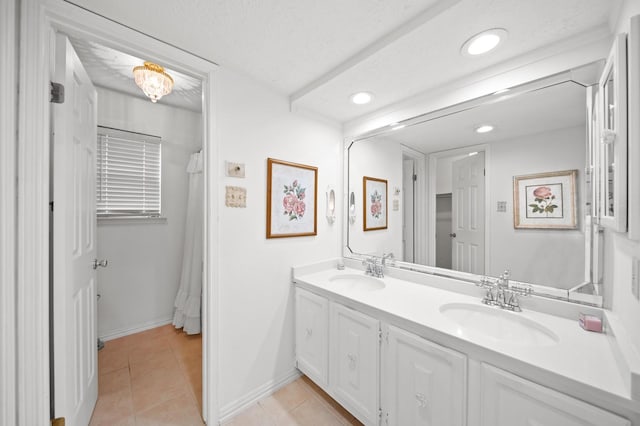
(312, 331)
(354, 362)
(424, 383)
(468, 214)
(74, 240)
(509, 400)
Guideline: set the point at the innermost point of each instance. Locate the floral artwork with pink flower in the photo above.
(292, 202)
(544, 201)
(376, 204)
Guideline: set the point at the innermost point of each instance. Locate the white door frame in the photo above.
(39, 20)
(431, 199)
(420, 204)
(8, 116)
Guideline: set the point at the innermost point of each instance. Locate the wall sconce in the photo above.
(331, 205)
(352, 208)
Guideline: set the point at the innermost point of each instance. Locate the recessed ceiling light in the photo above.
(485, 128)
(483, 42)
(361, 98)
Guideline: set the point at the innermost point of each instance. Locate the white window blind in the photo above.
(128, 174)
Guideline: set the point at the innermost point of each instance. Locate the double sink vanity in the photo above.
(411, 348)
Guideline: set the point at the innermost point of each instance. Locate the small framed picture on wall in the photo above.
(375, 203)
(292, 198)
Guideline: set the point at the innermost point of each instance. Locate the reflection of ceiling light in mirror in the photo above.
(361, 98)
(471, 154)
(396, 126)
(483, 42)
(485, 128)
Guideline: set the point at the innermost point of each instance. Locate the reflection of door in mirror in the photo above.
(467, 214)
(408, 209)
(443, 231)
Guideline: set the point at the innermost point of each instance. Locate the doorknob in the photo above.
(102, 263)
(452, 235)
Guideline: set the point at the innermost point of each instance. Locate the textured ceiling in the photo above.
(320, 52)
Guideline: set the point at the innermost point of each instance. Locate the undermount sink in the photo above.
(499, 324)
(357, 282)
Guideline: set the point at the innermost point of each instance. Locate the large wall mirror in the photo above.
(465, 202)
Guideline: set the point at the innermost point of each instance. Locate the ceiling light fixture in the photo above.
(485, 128)
(361, 98)
(154, 82)
(483, 42)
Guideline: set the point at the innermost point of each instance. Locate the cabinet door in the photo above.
(509, 400)
(612, 161)
(424, 383)
(354, 365)
(312, 326)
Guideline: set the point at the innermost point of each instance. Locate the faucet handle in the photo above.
(485, 282)
(521, 289)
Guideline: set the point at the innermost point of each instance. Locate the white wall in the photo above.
(379, 158)
(619, 250)
(256, 344)
(139, 286)
(543, 256)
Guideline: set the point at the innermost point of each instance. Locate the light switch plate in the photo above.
(236, 196)
(234, 169)
(396, 205)
(501, 207)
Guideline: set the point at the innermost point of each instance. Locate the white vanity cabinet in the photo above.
(354, 363)
(312, 334)
(508, 400)
(423, 383)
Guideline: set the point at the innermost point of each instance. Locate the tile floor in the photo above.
(300, 403)
(154, 378)
(150, 378)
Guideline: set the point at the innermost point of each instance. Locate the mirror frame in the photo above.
(594, 236)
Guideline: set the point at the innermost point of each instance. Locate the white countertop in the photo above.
(584, 362)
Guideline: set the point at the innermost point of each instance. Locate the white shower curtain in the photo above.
(188, 299)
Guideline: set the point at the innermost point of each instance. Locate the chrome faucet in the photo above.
(374, 266)
(389, 256)
(502, 293)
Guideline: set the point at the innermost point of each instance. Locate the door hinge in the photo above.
(57, 93)
(57, 422)
(50, 206)
(415, 177)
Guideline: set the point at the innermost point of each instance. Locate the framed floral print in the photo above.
(375, 203)
(545, 200)
(292, 195)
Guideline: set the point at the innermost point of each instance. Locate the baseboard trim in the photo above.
(235, 407)
(110, 335)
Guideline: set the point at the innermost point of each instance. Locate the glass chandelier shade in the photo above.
(154, 82)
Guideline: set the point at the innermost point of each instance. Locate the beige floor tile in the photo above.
(113, 408)
(285, 399)
(252, 416)
(157, 387)
(112, 358)
(153, 361)
(313, 413)
(114, 381)
(179, 411)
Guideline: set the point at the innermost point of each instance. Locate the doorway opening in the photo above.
(142, 257)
